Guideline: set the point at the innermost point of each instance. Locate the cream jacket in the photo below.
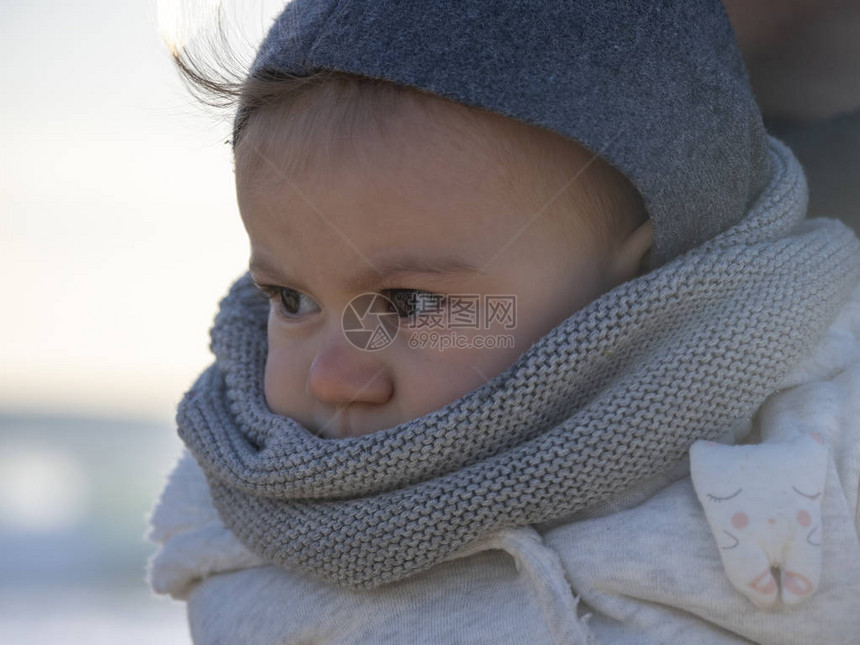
(647, 574)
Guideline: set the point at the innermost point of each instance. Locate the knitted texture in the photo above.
(613, 395)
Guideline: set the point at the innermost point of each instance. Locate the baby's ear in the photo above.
(631, 255)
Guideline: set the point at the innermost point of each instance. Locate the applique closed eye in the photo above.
(714, 498)
(816, 496)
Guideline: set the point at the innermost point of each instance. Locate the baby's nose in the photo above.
(342, 374)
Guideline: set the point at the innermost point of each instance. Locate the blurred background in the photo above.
(119, 233)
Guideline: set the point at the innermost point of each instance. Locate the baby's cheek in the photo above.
(282, 383)
(804, 518)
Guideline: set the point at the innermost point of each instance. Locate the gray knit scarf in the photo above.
(609, 399)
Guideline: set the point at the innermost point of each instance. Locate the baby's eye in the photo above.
(289, 301)
(414, 302)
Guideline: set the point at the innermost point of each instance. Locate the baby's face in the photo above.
(426, 216)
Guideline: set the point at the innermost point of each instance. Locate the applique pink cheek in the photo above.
(804, 518)
(817, 437)
(740, 520)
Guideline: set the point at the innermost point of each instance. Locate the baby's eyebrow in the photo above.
(384, 269)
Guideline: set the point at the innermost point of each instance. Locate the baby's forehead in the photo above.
(388, 134)
(497, 154)
(340, 122)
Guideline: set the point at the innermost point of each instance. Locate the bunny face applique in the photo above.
(763, 504)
